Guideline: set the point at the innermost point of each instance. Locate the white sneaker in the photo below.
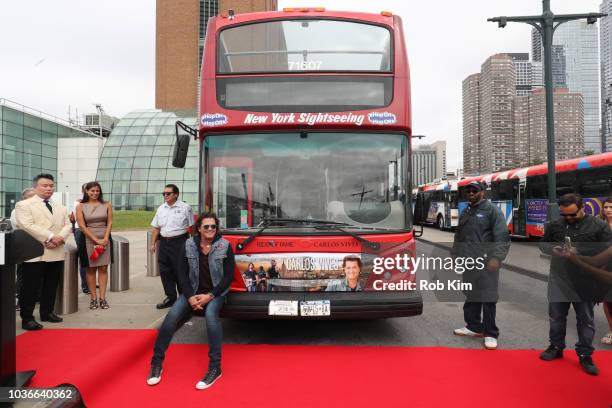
(154, 376)
(464, 331)
(212, 375)
(490, 343)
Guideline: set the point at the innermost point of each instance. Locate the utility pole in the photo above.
(546, 24)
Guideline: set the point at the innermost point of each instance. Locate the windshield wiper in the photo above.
(247, 241)
(276, 222)
(285, 221)
(373, 245)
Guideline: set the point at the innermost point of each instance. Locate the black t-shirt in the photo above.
(205, 285)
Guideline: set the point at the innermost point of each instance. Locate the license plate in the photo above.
(283, 308)
(315, 308)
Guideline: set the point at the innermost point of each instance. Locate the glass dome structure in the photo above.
(136, 162)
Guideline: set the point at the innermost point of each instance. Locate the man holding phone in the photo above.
(567, 283)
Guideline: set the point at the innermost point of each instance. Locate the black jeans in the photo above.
(170, 256)
(181, 311)
(35, 275)
(474, 322)
(557, 314)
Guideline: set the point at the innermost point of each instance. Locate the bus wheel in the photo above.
(440, 223)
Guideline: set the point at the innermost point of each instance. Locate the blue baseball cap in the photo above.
(476, 185)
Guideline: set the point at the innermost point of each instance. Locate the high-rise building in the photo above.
(576, 67)
(605, 42)
(504, 128)
(180, 30)
(530, 127)
(496, 102)
(528, 74)
(471, 125)
(428, 162)
(536, 46)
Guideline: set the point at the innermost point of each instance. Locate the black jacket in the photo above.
(482, 230)
(567, 282)
(222, 261)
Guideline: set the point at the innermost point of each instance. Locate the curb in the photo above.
(517, 269)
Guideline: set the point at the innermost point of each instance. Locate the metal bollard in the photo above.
(67, 299)
(152, 265)
(120, 267)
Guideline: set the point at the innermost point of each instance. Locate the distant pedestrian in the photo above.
(25, 194)
(606, 215)
(48, 222)
(170, 225)
(79, 238)
(95, 216)
(568, 284)
(481, 233)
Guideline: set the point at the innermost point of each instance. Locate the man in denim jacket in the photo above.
(205, 277)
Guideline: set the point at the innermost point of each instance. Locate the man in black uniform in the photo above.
(568, 284)
(482, 233)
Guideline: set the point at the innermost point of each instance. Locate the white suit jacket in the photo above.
(34, 217)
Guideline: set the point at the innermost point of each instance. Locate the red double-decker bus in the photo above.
(304, 140)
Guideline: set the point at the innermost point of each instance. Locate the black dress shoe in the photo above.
(52, 318)
(167, 302)
(31, 325)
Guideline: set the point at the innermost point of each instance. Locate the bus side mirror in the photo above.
(179, 156)
(417, 232)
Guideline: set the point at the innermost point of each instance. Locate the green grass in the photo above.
(132, 220)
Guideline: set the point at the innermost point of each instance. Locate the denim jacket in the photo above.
(220, 261)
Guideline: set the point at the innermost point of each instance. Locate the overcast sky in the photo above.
(56, 54)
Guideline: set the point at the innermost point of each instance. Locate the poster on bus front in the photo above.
(304, 271)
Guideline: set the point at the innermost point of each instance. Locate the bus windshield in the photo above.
(352, 178)
(304, 45)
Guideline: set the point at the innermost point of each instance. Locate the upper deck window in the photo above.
(304, 45)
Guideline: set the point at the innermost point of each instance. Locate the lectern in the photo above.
(15, 247)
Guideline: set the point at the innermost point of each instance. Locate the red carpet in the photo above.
(110, 368)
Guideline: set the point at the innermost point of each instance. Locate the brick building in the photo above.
(180, 31)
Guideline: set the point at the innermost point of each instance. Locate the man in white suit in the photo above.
(48, 223)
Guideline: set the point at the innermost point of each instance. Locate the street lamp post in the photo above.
(546, 24)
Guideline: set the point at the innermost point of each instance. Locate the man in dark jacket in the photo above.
(482, 232)
(567, 283)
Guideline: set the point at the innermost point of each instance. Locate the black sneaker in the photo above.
(551, 353)
(587, 364)
(209, 379)
(154, 375)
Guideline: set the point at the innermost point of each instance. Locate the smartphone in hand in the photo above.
(567, 245)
